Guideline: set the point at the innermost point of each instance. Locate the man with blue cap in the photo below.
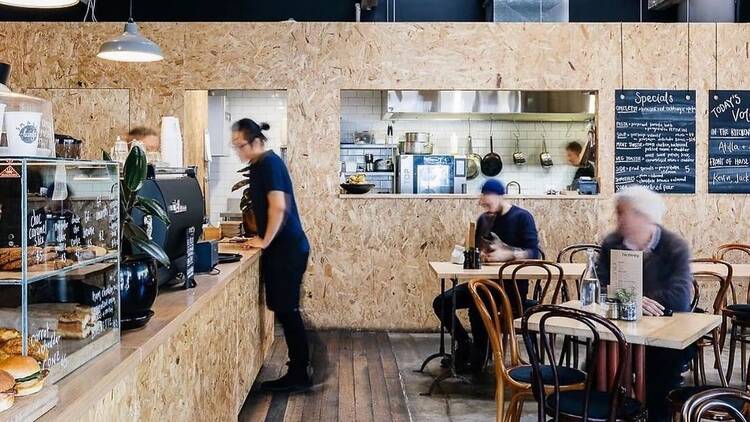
(505, 232)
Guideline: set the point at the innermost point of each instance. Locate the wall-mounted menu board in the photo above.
(655, 140)
(729, 142)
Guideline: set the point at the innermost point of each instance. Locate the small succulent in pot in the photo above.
(628, 304)
(625, 295)
(248, 217)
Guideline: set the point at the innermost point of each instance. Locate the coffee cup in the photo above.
(22, 131)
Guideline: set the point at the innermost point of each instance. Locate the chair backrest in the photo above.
(494, 308)
(553, 274)
(539, 344)
(569, 254)
(714, 400)
(722, 252)
(722, 278)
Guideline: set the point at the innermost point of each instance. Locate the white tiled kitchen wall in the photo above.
(261, 106)
(362, 110)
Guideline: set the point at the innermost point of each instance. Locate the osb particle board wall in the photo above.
(368, 267)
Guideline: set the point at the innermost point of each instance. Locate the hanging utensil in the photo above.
(492, 164)
(545, 158)
(473, 161)
(519, 158)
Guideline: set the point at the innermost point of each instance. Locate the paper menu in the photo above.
(626, 272)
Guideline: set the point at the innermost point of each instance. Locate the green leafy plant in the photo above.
(625, 295)
(245, 202)
(134, 237)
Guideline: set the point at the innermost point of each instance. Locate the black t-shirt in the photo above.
(585, 170)
(270, 174)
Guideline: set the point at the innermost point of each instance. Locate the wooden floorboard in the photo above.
(355, 379)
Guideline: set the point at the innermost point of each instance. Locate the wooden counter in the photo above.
(198, 356)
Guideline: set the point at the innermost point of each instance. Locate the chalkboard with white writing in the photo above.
(729, 141)
(655, 140)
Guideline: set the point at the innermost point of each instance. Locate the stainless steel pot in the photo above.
(417, 137)
(407, 147)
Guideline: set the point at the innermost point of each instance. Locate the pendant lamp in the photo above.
(39, 4)
(131, 46)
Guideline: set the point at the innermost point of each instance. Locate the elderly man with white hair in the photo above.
(667, 282)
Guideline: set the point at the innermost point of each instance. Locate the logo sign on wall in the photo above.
(729, 142)
(655, 140)
(28, 132)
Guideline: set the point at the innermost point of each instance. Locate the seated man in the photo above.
(516, 231)
(667, 282)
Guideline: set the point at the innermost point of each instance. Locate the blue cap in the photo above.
(493, 186)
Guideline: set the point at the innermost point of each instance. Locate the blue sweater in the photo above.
(667, 277)
(516, 228)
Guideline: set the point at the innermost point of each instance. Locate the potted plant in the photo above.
(249, 225)
(138, 253)
(628, 305)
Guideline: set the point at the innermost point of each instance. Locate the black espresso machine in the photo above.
(177, 190)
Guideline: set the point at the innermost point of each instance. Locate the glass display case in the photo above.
(59, 261)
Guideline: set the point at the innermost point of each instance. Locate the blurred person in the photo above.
(284, 244)
(667, 282)
(149, 137)
(517, 238)
(574, 155)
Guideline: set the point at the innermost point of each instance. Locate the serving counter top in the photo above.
(118, 381)
(457, 196)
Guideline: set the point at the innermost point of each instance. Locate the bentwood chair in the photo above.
(722, 279)
(730, 402)
(738, 314)
(553, 279)
(494, 307)
(586, 404)
(569, 254)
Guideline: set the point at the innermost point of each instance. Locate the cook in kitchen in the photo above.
(505, 232)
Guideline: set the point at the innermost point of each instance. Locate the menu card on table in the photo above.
(626, 272)
(729, 142)
(655, 140)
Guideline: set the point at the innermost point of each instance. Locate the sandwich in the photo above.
(28, 375)
(7, 391)
(75, 324)
(35, 348)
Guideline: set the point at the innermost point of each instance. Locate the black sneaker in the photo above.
(292, 382)
(463, 353)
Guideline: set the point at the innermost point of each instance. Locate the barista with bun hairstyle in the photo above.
(285, 246)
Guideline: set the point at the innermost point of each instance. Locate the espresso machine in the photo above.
(178, 192)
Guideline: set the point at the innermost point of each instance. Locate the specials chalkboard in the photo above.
(729, 142)
(655, 140)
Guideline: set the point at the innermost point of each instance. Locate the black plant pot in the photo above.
(138, 289)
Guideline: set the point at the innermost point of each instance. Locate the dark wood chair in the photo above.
(737, 313)
(580, 405)
(494, 307)
(553, 279)
(571, 343)
(723, 279)
(732, 403)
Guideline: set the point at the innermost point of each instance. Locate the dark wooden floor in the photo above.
(356, 379)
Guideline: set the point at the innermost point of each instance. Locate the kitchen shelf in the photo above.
(463, 196)
(368, 146)
(15, 277)
(370, 173)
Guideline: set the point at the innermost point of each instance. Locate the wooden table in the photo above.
(676, 332)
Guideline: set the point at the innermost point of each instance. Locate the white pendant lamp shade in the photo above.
(131, 46)
(39, 4)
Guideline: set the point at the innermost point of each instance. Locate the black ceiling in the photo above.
(195, 11)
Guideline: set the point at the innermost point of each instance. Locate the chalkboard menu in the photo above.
(655, 140)
(729, 142)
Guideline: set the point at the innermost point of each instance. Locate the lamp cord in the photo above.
(131, 10)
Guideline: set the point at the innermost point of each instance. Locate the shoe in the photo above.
(295, 381)
(462, 355)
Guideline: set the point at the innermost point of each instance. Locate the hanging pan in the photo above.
(492, 164)
(545, 158)
(473, 161)
(519, 158)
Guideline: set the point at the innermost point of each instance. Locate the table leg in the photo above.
(454, 283)
(613, 360)
(441, 351)
(628, 371)
(601, 366)
(639, 355)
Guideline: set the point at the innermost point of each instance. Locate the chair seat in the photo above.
(679, 396)
(567, 376)
(571, 404)
(740, 311)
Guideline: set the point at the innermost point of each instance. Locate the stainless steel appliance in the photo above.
(431, 174)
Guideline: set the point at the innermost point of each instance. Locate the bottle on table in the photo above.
(590, 286)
